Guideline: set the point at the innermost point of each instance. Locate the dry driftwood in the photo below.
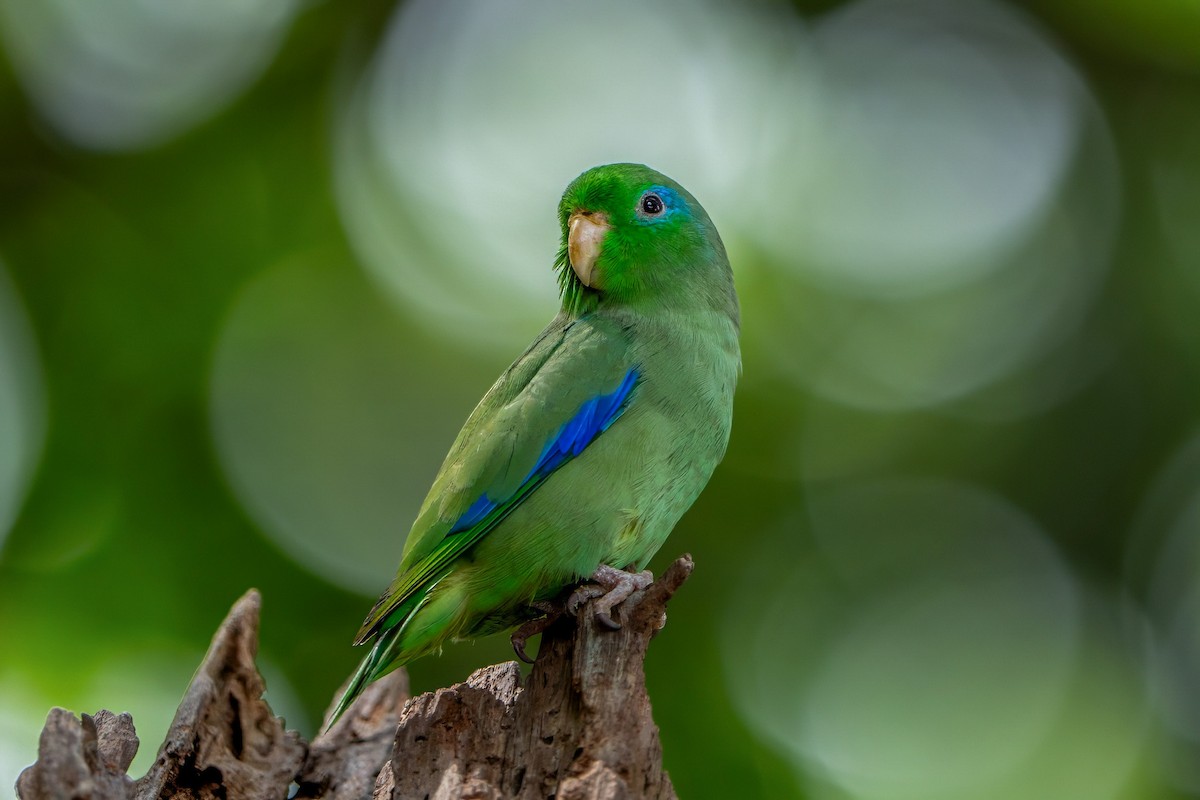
(579, 727)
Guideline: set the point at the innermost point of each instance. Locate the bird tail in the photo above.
(378, 662)
(384, 656)
(395, 644)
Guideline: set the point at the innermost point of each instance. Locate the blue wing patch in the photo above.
(593, 418)
(478, 510)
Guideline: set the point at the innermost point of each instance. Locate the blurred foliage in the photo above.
(210, 382)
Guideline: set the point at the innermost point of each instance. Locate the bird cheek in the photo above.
(585, 239)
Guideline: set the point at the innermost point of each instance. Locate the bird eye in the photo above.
(652, 204)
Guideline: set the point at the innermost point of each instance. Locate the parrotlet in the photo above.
(587, 450)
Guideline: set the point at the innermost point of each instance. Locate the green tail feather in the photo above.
(374, 665)
(383, 657)
(395, 645)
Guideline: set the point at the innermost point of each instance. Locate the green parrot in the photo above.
(581, 458)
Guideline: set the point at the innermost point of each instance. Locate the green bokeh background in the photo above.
(131, 545)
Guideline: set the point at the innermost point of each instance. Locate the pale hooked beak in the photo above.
(584, 239)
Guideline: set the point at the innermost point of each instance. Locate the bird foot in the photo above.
(609, 587)
(550, 614)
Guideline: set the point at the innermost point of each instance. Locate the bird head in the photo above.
(631, 235)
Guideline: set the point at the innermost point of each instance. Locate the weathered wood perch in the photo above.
(578, 728)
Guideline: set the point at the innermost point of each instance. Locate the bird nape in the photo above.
(587, 450)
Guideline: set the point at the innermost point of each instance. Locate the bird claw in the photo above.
(582, 594)
(607, 621)
(609, 587)
(532, 628)
(518, 645)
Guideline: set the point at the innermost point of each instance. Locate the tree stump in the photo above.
(579, 727)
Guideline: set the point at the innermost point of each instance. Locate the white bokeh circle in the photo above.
(22, 405)
(932, 644)
(1163, 559)
(330, 418)
(124, 74)
(1022, 314)
(946, 130)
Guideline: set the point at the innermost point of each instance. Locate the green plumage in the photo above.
(661, 307)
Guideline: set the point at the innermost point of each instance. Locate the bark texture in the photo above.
(578, 728)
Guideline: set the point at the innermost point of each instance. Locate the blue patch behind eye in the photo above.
(672, 204)
(593, 418)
